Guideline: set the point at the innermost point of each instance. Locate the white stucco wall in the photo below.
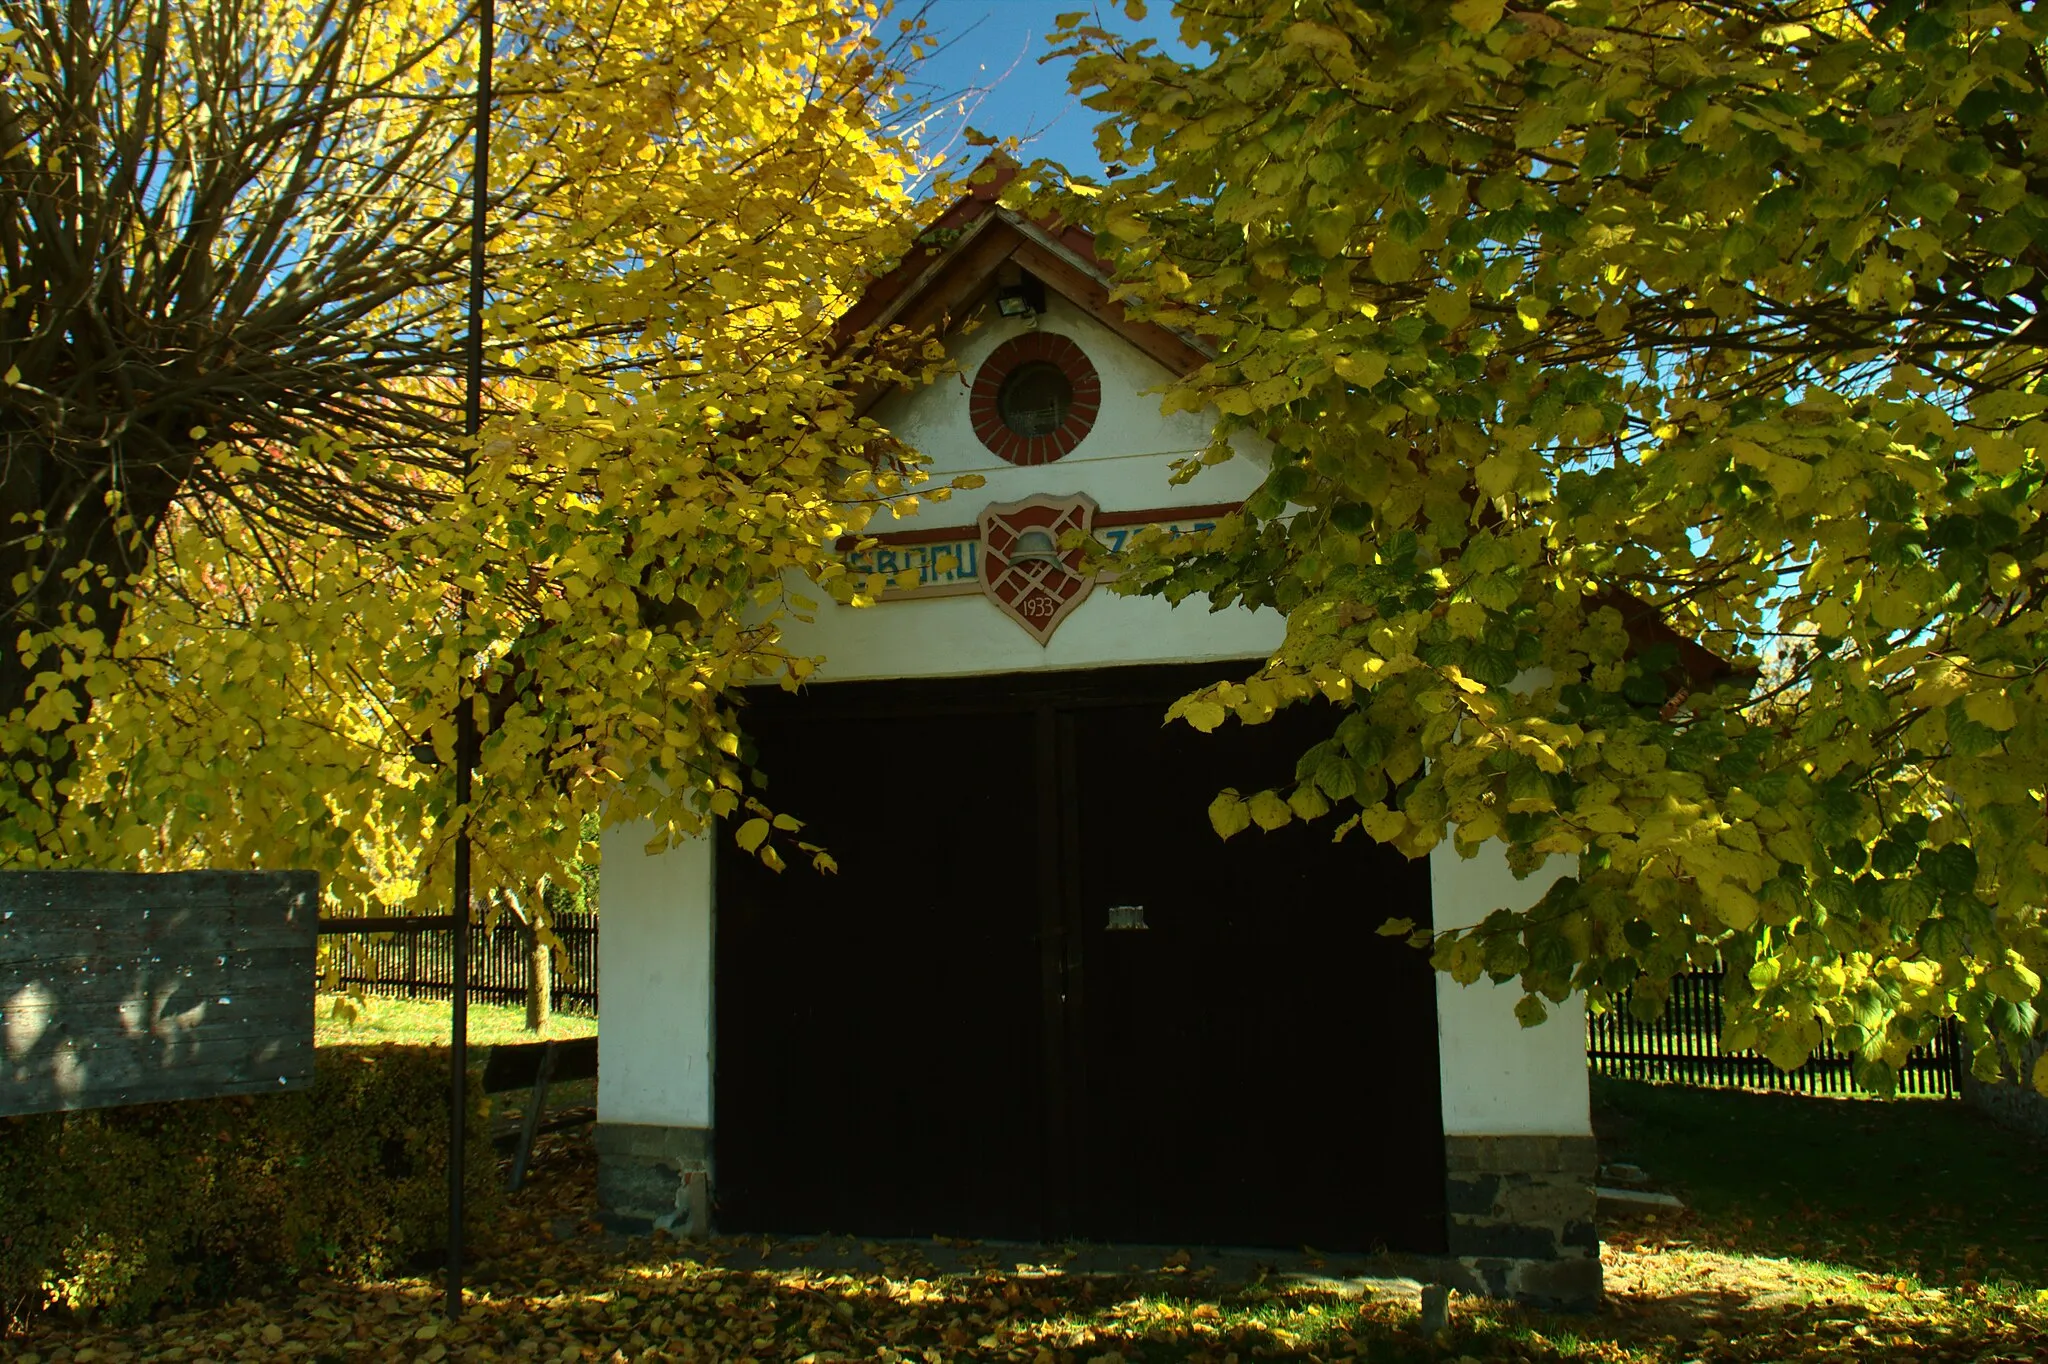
(1500, 1078)
(654, 962)
(1122, 462)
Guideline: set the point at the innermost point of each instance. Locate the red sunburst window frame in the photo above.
(984, 406)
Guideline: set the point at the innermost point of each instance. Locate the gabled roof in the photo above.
(956, 262)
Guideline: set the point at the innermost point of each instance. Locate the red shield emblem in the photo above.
(1025, 570)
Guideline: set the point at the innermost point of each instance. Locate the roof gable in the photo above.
(948, 275)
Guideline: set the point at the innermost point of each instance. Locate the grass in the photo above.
(424, 1023)
(1821, 1230)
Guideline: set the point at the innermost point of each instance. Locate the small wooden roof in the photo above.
(956, 261)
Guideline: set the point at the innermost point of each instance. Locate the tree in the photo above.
(233, 237)
(1573, 321)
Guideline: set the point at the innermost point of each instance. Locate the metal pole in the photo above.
(465, 713)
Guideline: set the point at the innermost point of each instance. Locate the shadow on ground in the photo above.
(1923, 1188)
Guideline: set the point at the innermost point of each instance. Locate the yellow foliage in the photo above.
(693, 190)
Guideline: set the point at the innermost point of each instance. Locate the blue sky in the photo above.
(992, 55)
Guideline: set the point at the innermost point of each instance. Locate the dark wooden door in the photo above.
(1257, 1066)
(947, 1037)
(878, 1031)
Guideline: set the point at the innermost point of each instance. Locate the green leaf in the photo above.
(1952, 869)
(1394, 261)
(1337, 777)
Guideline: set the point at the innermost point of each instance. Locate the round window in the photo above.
(1034, 400)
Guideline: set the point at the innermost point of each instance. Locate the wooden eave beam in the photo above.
(1092, 296)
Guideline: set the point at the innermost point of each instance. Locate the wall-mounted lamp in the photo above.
(1023, 298)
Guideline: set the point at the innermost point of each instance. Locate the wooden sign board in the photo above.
(128, 988)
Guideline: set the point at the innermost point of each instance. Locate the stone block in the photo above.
(654, 1178)
(1548, 1200)
(1501, 1240)
(1472, 1195)
(1521, 1154)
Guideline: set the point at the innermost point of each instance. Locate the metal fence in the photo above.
(420, 965)
(1684, 1047)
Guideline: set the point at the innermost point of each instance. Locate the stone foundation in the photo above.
(652, 1178)
(1522, 1217)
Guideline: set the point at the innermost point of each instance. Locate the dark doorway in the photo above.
(965, 1032)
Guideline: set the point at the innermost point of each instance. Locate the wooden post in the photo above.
(465, 709)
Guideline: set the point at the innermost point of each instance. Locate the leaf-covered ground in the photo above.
(1921, 1187)
(1709, 1286)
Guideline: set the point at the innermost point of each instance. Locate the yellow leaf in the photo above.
(751, 834)
(1383, 824)
(1319, 37)
(1125, 226)
(1269, 812)
(1787, 1050)
(1991, 709)
(1496, 474)
(1831, 617)
(1364, 368)
(1448, 308)
(1477, 16)
(1308, 802)
(1228, 814)
(1203, 715)
(1733, 905)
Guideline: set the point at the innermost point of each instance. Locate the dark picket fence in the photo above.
(1684, 1047)
(421, 965)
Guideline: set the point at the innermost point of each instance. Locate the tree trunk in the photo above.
(540, 983)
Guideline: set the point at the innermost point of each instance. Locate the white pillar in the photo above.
(1518, 1143)
(1498, 1076)
(654, 1031)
